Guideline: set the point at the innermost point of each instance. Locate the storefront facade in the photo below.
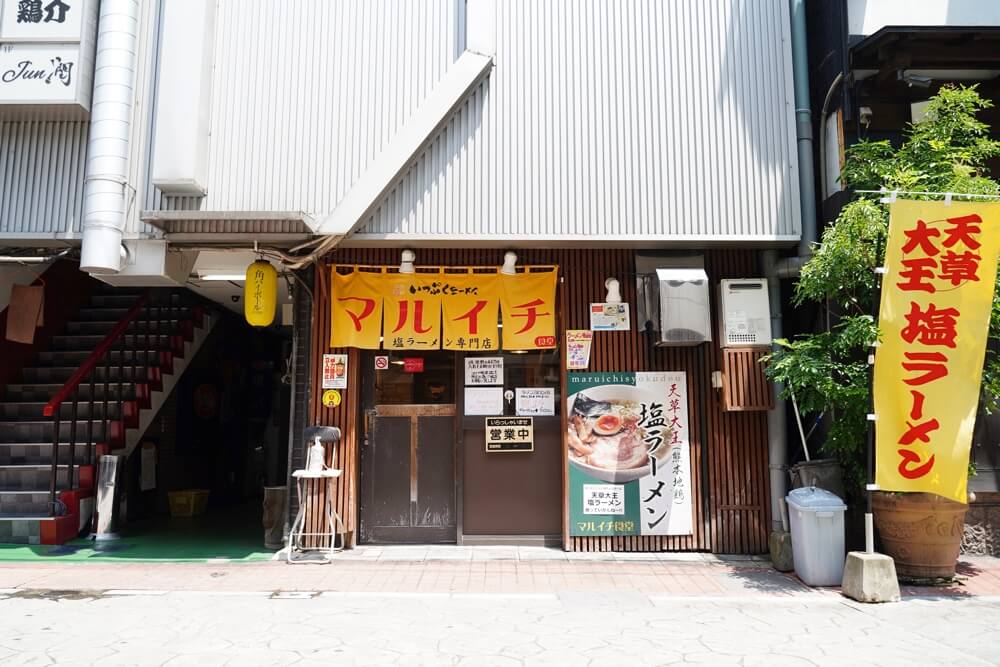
(417, 467)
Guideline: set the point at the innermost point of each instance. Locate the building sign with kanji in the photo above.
(454, 310)
(937, 294)
(510, 434)
(627, 443)
(47, 52)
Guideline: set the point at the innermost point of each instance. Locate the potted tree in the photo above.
(827, 371)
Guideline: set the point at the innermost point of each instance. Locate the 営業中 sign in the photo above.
(510, 434)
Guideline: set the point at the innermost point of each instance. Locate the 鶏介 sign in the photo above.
(47, 54)
(451, 311)
(628, 451)
(937, 295)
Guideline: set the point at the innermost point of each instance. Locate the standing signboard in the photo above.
(628, 452)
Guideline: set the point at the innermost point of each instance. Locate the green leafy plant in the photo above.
(827, 372)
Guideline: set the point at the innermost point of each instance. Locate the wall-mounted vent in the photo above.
(746, 313)
(685, 316)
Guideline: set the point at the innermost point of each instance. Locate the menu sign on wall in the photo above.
(47, 54)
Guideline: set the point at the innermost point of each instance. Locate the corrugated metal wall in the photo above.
(611, 119)
(41, 177)
(43, 163)
(644, 119)
(306, 93)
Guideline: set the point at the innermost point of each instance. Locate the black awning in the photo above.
(923, 47)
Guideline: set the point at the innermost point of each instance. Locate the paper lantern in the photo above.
(260, 294)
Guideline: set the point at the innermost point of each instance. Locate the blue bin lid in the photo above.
(814, 499)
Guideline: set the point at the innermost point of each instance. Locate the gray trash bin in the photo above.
(817, 519)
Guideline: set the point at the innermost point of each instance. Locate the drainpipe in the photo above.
(104, 194)
(789, 267)
(775, 269)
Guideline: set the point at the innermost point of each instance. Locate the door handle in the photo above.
(369, 425)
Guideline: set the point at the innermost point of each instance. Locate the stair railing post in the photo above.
(107, 389)
(90, 424)
(121, 384)
(72, 440)
(55, 462)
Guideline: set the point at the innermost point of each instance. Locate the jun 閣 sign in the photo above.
(47, 52)
(451, 311)
(628, 450)
(937, 294)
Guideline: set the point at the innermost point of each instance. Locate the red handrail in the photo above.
(88, 364)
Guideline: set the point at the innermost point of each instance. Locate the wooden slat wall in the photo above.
(730, 456)
(744, 386)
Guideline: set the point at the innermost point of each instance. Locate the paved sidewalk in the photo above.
(472, 570)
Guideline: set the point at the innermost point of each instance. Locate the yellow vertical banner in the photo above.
(355, 310)
(412, 311)
(937, 295)
(469, 310)
(528, 303)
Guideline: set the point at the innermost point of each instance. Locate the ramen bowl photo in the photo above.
(604, 438)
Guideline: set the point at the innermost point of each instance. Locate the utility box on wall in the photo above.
(745, 313)
(685, 314)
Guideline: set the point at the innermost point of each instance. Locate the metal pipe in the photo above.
(803, 126)
(106, 182)
(777, 429)
(822, 134)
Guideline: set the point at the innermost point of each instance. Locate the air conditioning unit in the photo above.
(685, 316)
(746, 313)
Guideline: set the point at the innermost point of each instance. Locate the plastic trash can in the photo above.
(817, 518)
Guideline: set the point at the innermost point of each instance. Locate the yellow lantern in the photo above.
(260, 294)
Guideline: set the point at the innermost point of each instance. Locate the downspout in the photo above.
(104, 194)
(775, 269)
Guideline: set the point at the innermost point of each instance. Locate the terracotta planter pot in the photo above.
(921, 531)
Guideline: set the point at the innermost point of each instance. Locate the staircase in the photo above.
(94, 390)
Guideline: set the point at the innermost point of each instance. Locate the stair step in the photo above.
(53, 374)
(141, 327)
(115, 314)
(29, 392)
(15, 504)
(40, 453)
(42, 431)
(77, 357)
(32, 477)
(87, 342)
(32, 410)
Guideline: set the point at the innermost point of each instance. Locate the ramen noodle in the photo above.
(607, 435)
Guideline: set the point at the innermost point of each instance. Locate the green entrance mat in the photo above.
(177, 540)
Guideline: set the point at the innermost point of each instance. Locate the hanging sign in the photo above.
(529, 310)
(483, 370)
(451, 311)
(413, 364)
(628, 451)
(510, 434)
(355, 310)
(469, 311)
(334, 371)
(578, 343)
(609, 317)
(934, 316)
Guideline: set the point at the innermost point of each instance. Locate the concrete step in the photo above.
(32, 477)
(103, 328)
(40, 453)
(24, 504)
(87, 342)
(30, 392)
(77, 357)
(42, 431)
(60, 374)
(32, 410)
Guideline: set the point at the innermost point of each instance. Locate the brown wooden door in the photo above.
(408, 470)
